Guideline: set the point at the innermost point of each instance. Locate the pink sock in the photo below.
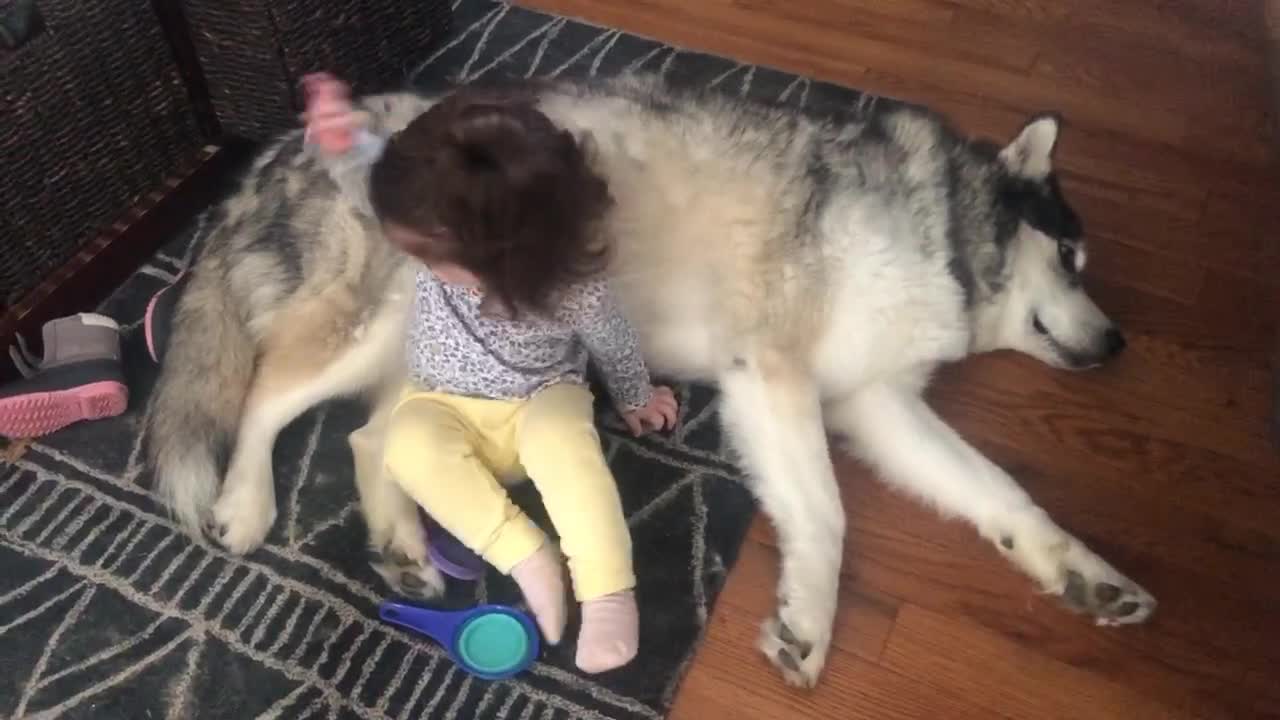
(541, 580)
(610, 634)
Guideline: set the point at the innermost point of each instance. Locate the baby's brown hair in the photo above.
(488, 182)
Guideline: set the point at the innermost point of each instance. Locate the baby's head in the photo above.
(487, 191)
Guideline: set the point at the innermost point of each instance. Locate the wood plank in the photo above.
(1010, 677)
(730, 678)
(897, 547)
(1008, 393)
(1129, 264)
(865, 619)
(1238, 233)
(1040, 11)
(944, 36)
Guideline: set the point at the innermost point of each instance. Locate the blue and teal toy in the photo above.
(493, 642)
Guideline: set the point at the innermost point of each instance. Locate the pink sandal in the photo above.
(159, 317)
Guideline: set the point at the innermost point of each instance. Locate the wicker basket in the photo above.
(94, 114)
(253, 52)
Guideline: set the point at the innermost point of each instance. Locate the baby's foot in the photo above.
(541, 580)
(610, 634)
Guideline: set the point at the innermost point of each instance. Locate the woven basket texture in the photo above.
(93, 115)
(253, 52)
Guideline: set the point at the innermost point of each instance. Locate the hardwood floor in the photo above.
(1162, 461)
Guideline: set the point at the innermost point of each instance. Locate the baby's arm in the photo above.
(346, 148)
(613, 344)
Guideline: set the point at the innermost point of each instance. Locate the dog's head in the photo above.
(1041, 307)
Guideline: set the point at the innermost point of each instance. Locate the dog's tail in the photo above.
(208, 366)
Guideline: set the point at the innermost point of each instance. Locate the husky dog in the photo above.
(816, 268)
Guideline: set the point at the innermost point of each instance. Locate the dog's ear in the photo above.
(1030, 154)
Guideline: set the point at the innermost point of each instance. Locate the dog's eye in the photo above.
(1067, 256)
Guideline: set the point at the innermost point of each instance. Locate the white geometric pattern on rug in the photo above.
(52, 514)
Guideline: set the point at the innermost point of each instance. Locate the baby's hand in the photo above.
(660, 413)
(331, 122)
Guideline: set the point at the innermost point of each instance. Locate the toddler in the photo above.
(501, 209)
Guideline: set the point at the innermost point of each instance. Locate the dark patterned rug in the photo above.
(107, 611)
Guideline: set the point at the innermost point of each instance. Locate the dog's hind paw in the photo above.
(407, 577)
(798, 659)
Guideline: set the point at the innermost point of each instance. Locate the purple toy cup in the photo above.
(451, 556)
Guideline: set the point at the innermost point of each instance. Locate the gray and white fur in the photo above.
(817, 268)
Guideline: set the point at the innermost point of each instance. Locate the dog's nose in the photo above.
(1115, 342)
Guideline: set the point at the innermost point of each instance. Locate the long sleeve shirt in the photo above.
(455, 348)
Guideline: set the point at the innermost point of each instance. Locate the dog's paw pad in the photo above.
(1113, 600)
(791, 654)
(1065, 567)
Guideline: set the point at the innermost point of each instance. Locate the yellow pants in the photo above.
(447, 451)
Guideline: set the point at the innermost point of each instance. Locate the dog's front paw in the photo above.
(409, 577)
(242, 518)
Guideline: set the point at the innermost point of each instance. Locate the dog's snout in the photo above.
(1115, 342)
